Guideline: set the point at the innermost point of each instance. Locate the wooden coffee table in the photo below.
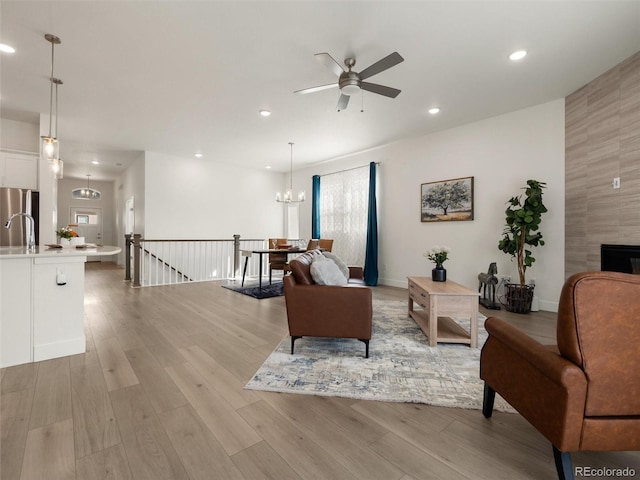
(440, 301)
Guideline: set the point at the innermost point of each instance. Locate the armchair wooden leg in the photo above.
(487, 401)
(366, 346)
(563, 464)
(293, 340)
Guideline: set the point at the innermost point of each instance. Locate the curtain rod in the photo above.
(348, 169)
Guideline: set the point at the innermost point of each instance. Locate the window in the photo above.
(343, 212)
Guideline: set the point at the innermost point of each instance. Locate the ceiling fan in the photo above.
(350, 82)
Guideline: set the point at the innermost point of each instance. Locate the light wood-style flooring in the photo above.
(159, 395)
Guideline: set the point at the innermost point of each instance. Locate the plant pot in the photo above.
(65, 242)
(77, 241)
(439, 274)
(519, 297)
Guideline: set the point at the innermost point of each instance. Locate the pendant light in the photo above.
(86, 193)
(49, 146)
(288, 195)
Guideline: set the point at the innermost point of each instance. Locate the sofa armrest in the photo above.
(547, 389)
(356, 272)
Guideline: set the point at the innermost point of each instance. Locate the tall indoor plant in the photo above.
(523, 218)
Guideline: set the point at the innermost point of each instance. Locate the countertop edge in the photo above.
(21, 252)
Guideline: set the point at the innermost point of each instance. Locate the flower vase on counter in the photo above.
(75, 241)
(68, 238)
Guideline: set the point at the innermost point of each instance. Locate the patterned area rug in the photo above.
(402, 367)
(276, 289)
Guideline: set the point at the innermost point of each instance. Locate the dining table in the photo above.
(265, 251)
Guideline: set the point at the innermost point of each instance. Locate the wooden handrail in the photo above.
(137, 243)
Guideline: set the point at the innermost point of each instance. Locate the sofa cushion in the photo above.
(301, 268)
(338, 261)
(325, 272)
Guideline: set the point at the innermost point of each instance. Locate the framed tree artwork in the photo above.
(447, 200)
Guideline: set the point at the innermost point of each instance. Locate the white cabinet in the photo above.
(19, 170)
(41, 308)
(58, 307)
(15, 311)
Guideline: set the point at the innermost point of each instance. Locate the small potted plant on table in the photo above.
(438, 255)
(523, 218)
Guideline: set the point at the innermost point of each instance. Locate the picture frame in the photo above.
(447, 200)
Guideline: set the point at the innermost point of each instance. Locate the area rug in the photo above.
(276, 289)
(401, 367)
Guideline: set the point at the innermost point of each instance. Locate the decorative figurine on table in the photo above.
(489, 280)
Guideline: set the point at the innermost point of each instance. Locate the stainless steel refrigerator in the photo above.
(18, 200)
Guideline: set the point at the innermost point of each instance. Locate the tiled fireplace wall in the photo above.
(602, 142)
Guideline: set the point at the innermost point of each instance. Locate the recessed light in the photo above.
(7, 48)
(518, 55)
(198, 155)
(95, 162)
(268, 167)
(434, 110)
(265, 113)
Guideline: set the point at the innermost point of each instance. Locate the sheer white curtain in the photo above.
(343, 213)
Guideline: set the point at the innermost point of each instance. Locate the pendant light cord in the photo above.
(51, 91)
(291, 170)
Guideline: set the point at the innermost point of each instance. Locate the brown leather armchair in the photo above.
(327, 310)
(583, 394)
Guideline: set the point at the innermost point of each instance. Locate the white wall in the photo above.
(130, 184)
(197, 198)
(501, 153)
(22, 136)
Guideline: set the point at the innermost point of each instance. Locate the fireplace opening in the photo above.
(620, 258)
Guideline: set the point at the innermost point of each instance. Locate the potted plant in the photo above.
(438, 255)
(523, 217)
(66, 234)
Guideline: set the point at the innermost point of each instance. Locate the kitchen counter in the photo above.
(22, 252)
(42, 302)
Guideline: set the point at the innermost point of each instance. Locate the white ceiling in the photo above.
(178, 77)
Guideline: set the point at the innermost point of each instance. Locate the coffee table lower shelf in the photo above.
(448, 331)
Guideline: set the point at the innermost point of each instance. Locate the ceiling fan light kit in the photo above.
(351, 83)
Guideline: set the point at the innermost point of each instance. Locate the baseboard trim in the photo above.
(59, 349)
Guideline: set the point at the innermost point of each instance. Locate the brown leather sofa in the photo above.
(326, 310)
(584, 393)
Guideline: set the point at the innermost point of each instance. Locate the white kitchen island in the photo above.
(42, 302)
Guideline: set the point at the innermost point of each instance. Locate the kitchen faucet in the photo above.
(31, 242)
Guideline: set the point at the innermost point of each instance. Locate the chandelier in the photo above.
(86, 193)
(49, 146)
(288, 195)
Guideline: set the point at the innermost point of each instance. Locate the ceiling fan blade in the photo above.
(316, 89)
(330, 62)
(381, 65)
(380, 89)
(343, 101)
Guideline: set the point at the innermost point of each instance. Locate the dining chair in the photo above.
(277, 261)
(325, 244)
(312, 244)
